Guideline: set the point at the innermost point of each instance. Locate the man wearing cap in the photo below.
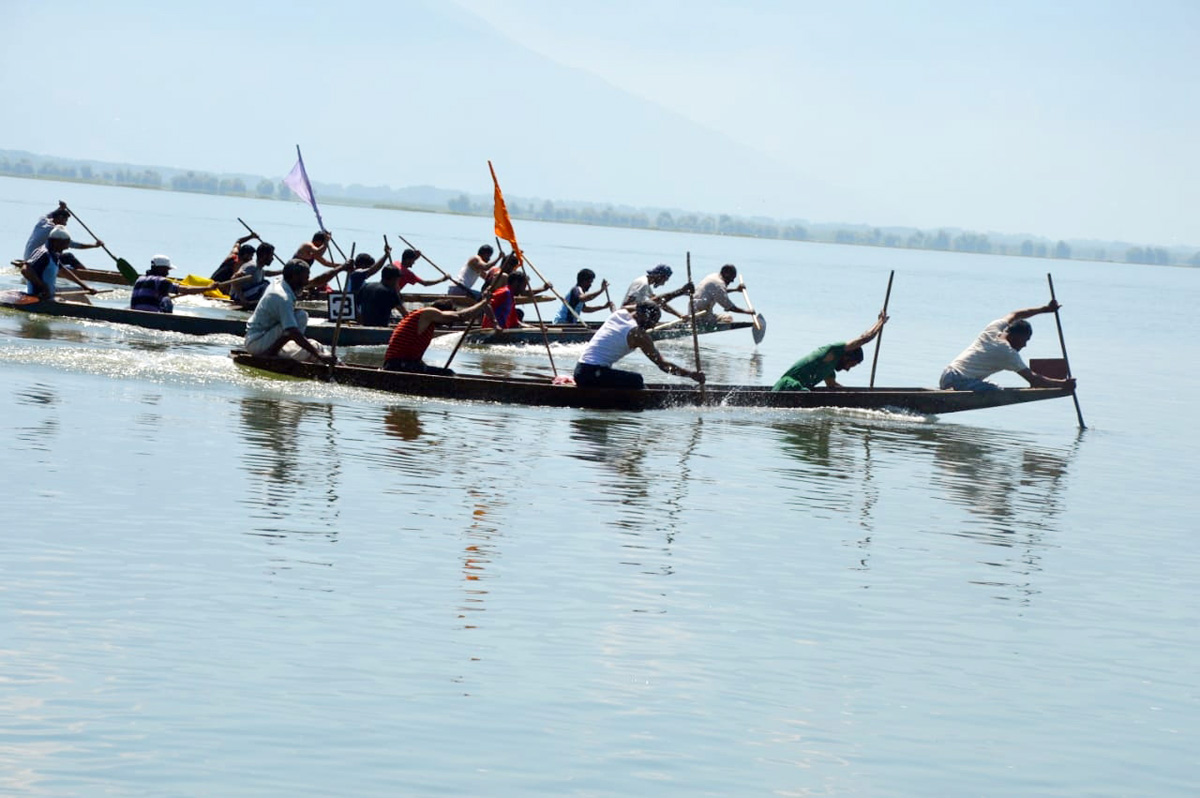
(250, 281)
(998, 348)
(239, 255)
(41, 232)
(152, 291)
(642, 290)
(620, 334)
(276, 328)
(713, 290)
(40, 270)
(823, 363)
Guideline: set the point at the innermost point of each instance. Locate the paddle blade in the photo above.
(127, 271)
(759, 330)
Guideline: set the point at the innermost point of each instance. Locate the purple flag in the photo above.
(297, 181)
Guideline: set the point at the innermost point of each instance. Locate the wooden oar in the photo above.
(1062, 342)
(123, 266)
(545, 337)
(75, 295)
(760, 323)
(250, 229)
(425, 258)
(337, 327)
(692, 314)
(879, 338)
(570, 309)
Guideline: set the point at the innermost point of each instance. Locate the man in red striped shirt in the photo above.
(412, 335)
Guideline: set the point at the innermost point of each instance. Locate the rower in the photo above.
(998, 348)
(824, 362)
(406, 348)
(409, 258)
(477, 267)
(40, 270)
(577, 297)
(240, 254)
(504, 303)
(41, 232)
(250, 281)
(642, 290)
(617, 337)
(314, 251)
(152, 291)
(714, 290)
(276, 328)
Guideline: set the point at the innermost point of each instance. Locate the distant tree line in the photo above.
(611, 216)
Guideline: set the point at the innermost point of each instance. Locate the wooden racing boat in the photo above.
(530, 391)
(318, 330)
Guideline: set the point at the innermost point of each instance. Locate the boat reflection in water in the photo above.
(1009, 486)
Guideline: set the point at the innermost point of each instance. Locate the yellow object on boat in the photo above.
(195, 280)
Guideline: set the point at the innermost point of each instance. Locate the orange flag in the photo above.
(504, 228)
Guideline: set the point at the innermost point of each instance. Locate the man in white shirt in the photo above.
(713, 290)
(642, 290)
(623, 332)
(998, 349)
(276, 328)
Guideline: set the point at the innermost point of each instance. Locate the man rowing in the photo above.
(376, 300)
(475, 269)
(41, 233)
(642, 290)
(276, 328)
(504, 303)
(996, 349)
(250, 282)
(408, 259)
(824, 362)
(40, 270)
(406, 348)
(314, 251)
(153, 290)
(620, 334)
(714, 290)
(574, 303)
(238, 256)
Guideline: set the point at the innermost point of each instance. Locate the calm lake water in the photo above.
(215, 583)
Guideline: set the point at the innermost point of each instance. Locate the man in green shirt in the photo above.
(823, 363)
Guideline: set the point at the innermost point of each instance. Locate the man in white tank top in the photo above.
(617, 337)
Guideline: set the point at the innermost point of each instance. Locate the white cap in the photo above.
(160, 261)
(58, 232)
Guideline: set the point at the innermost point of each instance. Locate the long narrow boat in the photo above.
(321, 331)
(526, 391)
(101, 276)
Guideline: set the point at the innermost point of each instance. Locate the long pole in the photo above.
(337, 326)
(123, 266)
(274, 254)
(879, 338)
(571, 310)
(463, 337)
(692, 315)
(1062, 342)
(425, 258)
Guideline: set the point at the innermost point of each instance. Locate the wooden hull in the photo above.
(101, 276)
(924, 401)
(351, 334)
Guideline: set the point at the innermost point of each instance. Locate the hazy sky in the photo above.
(1063, 119)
